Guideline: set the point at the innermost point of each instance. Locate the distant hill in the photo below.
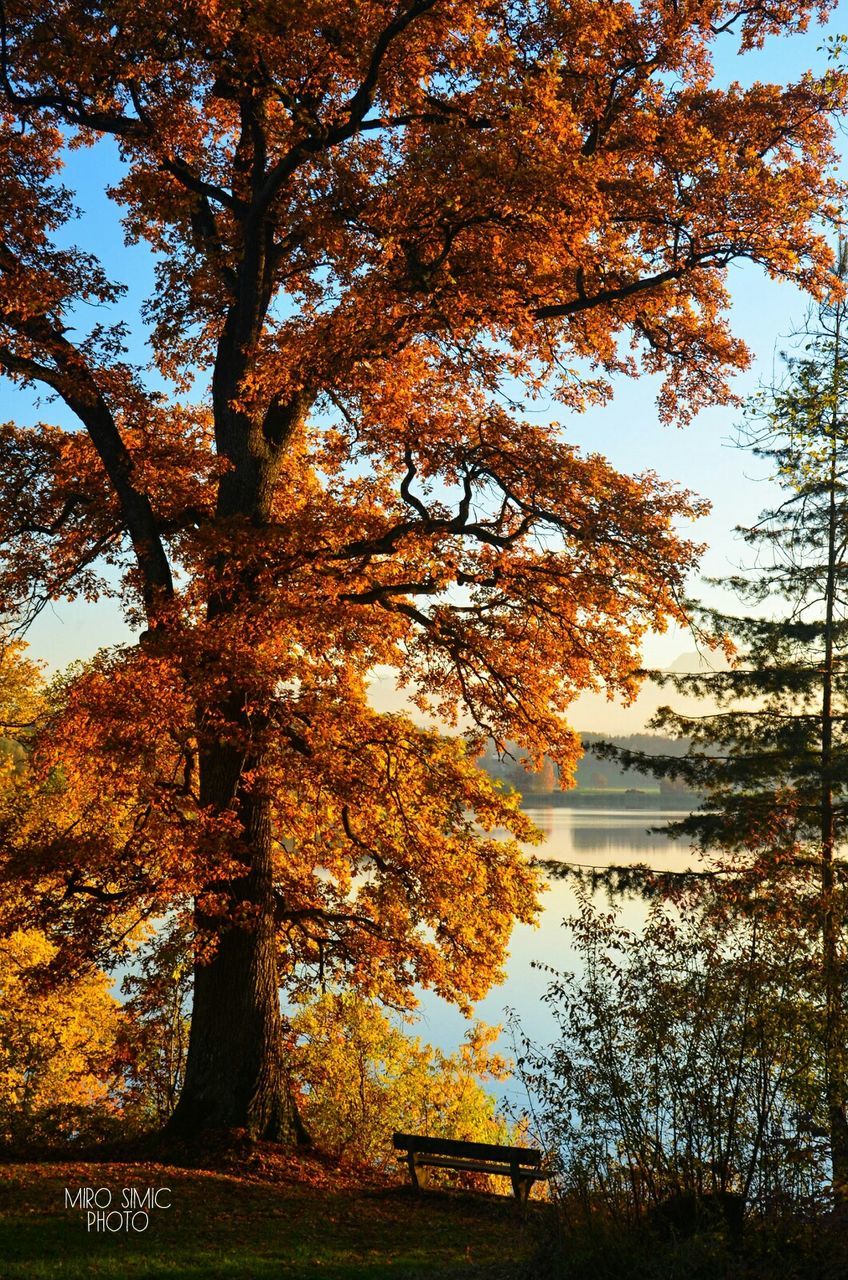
(593, 775)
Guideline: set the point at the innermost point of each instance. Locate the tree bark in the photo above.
(235, 1073)
(834, 1037)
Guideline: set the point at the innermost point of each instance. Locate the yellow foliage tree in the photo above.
(56, 1046)
(362, 1077)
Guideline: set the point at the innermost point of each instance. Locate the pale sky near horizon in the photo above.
(627, 431)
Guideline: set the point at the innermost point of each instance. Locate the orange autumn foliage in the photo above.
(382, 232)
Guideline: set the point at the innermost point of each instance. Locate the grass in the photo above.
(290, 1221)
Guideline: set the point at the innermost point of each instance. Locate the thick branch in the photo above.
(75, 382)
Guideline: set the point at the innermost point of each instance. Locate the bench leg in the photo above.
(413, 1171)
(521, 1187)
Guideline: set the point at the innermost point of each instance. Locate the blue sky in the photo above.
(699, 456)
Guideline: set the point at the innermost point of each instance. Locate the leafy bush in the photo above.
(686, 1064)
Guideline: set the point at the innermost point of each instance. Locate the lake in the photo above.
(590, 838)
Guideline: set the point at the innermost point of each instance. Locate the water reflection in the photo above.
(617, 834)
(586, 837)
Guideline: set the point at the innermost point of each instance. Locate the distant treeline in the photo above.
(593, 774)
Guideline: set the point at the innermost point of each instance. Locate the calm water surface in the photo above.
(590, 838)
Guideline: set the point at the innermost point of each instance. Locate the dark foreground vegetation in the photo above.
(259, 1216)
(772, 1249)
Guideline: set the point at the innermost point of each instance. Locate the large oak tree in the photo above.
(378, 227)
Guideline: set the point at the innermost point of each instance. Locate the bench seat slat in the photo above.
(419, 1144)
(479, 1166)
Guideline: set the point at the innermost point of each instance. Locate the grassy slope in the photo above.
(294, 1221)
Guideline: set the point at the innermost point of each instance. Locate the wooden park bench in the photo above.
(522, 1165)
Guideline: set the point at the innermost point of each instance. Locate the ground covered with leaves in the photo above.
(258, 1218)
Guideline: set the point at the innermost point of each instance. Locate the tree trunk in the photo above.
(235, 1072)
(832, 923)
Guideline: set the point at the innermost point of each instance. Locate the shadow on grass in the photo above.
(220, 1228)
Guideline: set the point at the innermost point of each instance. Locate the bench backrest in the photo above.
(419, 1143)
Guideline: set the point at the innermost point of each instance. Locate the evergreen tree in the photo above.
(770, 751)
